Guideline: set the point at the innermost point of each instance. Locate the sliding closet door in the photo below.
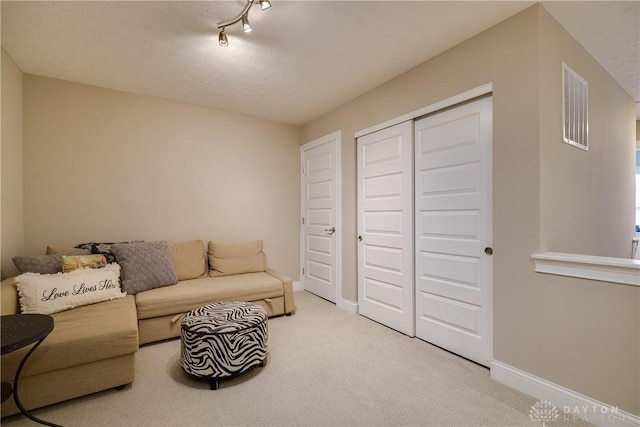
(385, 227)
(454, 230)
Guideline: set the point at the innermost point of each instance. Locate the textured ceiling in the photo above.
(609, 31)
(303, 59)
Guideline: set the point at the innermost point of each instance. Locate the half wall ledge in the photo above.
(605, 269)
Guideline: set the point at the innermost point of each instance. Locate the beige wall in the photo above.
(11, 226)
(471, 64)
(587, 201)
(103, 165)
(579, 212)
(579, 334)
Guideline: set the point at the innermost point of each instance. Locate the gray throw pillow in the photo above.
(103, 248)
(144, 265)
(43, 264)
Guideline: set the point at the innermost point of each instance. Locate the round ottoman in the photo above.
(222, 340)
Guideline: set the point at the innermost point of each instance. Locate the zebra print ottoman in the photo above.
(223, 339)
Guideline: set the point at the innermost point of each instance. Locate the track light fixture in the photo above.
(242, 16)
(245, 24)
(222, 39)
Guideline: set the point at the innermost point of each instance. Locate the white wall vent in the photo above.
(575, 102)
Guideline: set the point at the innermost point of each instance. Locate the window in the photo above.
(637, 191)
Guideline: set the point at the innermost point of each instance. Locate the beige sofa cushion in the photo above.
(226, 258)
(66, 250)
(82, 335)
(190, 294)
(189, 260)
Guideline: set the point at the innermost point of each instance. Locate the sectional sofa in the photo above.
(92, 347)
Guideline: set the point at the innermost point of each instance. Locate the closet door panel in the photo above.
(453, 226)
(385, 227)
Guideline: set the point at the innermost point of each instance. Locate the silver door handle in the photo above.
(330, 230)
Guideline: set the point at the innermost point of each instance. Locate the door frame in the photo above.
(337, 136)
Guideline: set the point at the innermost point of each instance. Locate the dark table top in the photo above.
(20, 330)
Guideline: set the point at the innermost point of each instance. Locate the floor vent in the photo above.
(575, 102)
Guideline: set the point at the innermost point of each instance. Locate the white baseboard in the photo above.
(569, 403)
(348, 306)
(345, 304)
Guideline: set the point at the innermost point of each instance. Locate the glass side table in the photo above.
(18, 331)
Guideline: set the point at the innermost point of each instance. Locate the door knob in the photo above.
(488, 250)
(330, 230)
(360, 238)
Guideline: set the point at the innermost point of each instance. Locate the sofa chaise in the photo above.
(92, 347)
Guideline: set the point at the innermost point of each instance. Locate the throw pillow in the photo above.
(145, 265)
(51, 293)
(43, 264)
(74, 262)
(189, 260)
(227, 258)
(102, 249)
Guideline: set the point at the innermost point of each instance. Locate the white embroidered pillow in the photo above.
(51, 293)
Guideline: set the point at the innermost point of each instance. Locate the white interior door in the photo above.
(385, 227)
(453, 223)
(321, 216)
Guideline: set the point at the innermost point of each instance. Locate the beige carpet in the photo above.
(326, 368)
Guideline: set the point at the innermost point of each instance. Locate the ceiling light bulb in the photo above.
(222, 39)
(265, 4)
(245, 24)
